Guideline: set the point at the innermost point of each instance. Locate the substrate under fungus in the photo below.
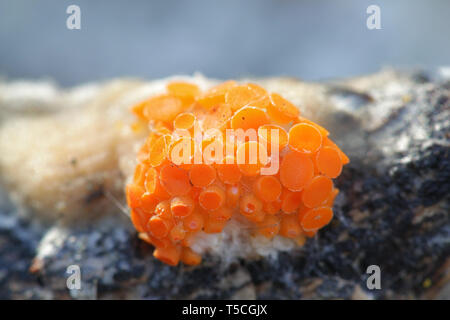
(234, 151)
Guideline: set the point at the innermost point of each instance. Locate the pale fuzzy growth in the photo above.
(59, 163)
(62, 151)
(236, 241)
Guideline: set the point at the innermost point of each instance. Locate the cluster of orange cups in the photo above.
(234, 151)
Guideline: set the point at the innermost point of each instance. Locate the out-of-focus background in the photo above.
(312, 40)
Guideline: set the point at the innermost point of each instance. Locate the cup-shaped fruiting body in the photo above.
(234, 151)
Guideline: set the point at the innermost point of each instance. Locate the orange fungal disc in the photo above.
(290, 201)
(316, 218)
(169, 255)
(153, 185)
(251, 207)
(202, 175)
(149, 202)
(159, 227)
(184, 90)
(302, 210)
(137, 221)
(151, 180)
(249, 118)
(328, 143)
(304, 137)
(262, 102)
(158, 151)
(269, 226)
(162, 108)
(213, 225)
(184, 121)
(181, 206)
(222, 213)
(273, 207)
(273, 134)
(233, 193)
(209, 100)
(267, 188)
(212, 198)
(174, 180)
(134, 194)
(177, 233)
(290, 227)
(195, 193)
(257, 89)
(324, 132)
(281, 110)
(215, 95)
(232, 156)
(296, 171)
(240, 96)
(329, 162)
(140, 174)
(194, 222)
(217, 117)
(162, 210)
(317, 191)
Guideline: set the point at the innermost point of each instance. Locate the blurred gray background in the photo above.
(312, 40)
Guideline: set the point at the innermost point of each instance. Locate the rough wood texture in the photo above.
(393, 211)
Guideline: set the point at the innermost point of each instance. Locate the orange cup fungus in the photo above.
(266, 165)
